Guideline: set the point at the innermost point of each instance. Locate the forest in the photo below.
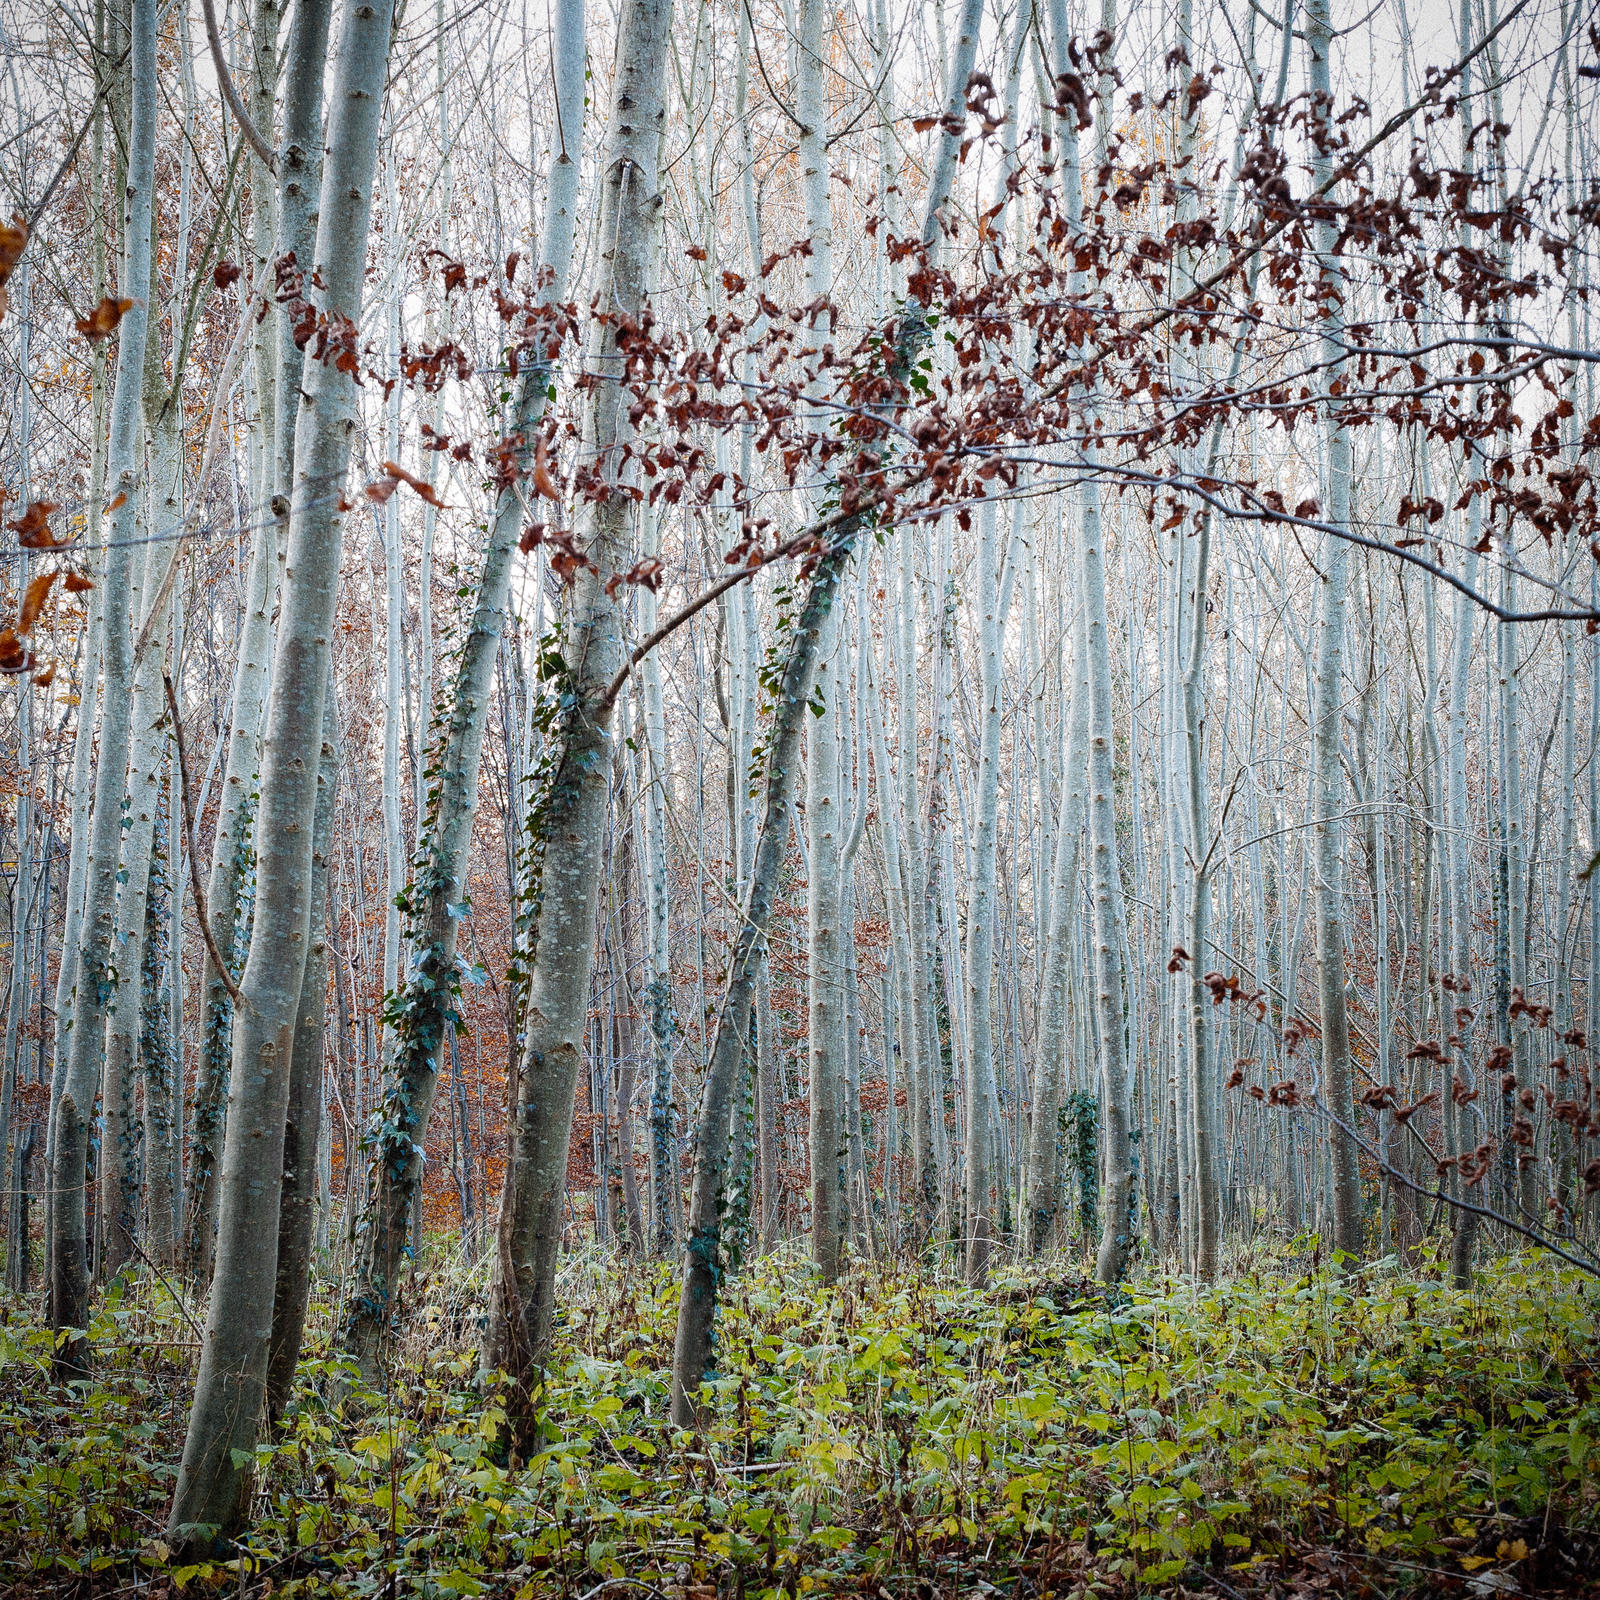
(799, 797)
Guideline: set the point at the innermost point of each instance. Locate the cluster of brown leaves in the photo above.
(103, 319)
(33, 532)
(393, 476)
(1229, 987)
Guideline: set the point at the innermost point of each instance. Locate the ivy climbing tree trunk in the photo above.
(421, 1012)
(567, 821)
(697, 1307)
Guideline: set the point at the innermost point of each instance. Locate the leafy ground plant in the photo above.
(1290, 1430)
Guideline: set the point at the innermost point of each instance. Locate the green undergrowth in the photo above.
(898, 1436)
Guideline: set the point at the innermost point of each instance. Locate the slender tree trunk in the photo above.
(665, 1198)
(230, 1389)
(281, 363)
(567, 827)
(96, 975)
(1044, 1178)
(981, 1134)
(1328, 832)
(436, 902)
(693, 1344)
(303, 1119)
(703, 1247)
(158, 1058)
(824, 967)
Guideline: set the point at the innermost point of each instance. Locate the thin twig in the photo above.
(166, 1282)
(200, 911)
(1538, 1236)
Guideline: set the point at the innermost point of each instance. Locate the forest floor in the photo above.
(1286, 1432)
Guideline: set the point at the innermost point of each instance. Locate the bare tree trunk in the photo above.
(824, 968)
(981, 1134)
(1043, 1195)
(568, 822)
(118, 1174)
(96, 972)
(422, 1008)
(703, 1246)
(299, 181)
(303, 1120)
(692, 1346)
(665, 1196)
(1328, 792)
(230, 1389)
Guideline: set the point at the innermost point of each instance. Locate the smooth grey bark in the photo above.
(567, 825)
(1119, 1165)
(981, 1172)
(694, 1341)
(1043, 1182)
(82, 791)
(665, 1187)
(229, 1391)
(692, 1349)
(825, 1010)
(303, 1118)
(825, 966)
(422, 1010)
(282, 363)
(118, 1174)
(96, 976)
(1328, 790)
(984, 1174)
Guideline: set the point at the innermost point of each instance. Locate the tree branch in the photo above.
(231, 94)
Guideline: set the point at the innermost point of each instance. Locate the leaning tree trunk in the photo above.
(697, 1307)
(96, 971)
(567, 824)
(703, 1246)
(422, 1011)
(229, 1391)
